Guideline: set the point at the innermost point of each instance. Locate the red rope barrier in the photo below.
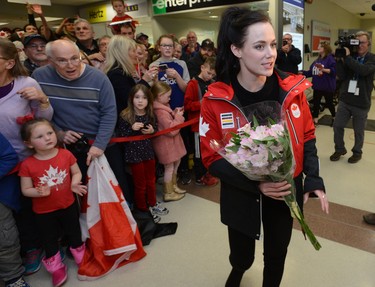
(159, 133)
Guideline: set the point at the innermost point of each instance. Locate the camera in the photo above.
(348, 41)
(80, 146)
(285, 42)
(163, 67)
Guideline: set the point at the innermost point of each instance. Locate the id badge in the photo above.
(356, 92)
(352, 86)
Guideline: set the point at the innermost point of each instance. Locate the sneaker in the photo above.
(336, 155)
(156, 218)
(354, 158)
(185, 177)
(199, 182)
(209, 180)
(158, 209)
(32, 261)
(19, 283)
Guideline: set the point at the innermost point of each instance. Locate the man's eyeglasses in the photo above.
(166, 46)
(64, 62)
(35, 46)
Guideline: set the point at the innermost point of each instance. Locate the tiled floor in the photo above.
(197, 255)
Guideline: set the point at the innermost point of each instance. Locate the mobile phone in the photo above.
(163, 67)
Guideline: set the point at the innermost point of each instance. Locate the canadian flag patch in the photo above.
(296, 112)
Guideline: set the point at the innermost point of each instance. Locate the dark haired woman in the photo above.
(246, 75)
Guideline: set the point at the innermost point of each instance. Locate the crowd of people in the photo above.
(65, 94)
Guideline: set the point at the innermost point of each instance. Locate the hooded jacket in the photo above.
(168, 147)
(221, 114)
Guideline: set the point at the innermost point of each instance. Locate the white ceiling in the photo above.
(352, 6)
(357, 7)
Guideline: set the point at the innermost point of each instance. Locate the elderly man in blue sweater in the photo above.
(85, 106)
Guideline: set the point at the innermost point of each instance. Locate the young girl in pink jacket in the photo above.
(169, 148)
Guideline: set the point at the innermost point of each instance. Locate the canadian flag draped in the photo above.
(111, 233)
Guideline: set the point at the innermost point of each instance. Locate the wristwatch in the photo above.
(45, 102)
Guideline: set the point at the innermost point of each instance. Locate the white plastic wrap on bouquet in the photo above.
(262, 151)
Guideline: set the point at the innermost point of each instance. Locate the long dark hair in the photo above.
(128, 114)
(233, 31)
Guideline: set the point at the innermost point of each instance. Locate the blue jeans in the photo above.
(359, 118)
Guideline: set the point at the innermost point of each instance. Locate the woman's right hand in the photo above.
(275, 190)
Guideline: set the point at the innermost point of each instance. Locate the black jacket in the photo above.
(349, 68)
(289, 62)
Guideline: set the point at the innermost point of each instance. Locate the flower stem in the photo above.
(296, 213)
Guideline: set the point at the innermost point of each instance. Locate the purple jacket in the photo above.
(325, 82)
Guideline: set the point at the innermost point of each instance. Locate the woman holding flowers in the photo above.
(246, 75)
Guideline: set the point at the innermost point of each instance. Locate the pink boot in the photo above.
(56, 268)
(78, 253)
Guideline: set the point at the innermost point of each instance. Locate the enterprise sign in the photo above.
(168, 6)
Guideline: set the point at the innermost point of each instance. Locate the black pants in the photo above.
(328, 97)
(25, 220)
(115, 156)
(277, 227)
(187, 137)
(51, 224)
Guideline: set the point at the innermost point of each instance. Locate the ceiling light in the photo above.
(1, 24)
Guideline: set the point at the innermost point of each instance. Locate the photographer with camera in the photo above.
(356, 71)
(288, 56)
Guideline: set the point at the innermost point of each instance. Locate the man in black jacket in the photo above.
(288, 56)
(194, 64)
(356, 71)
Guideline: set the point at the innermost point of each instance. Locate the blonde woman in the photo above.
(121, 61)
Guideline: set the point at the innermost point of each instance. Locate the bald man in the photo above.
(83, 98)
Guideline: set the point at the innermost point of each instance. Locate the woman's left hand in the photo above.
(32, 93)
(322, 197)
(151, 74)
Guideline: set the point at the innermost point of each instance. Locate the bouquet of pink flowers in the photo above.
(263, 152)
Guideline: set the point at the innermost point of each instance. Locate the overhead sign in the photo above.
(40, 2)
(168, 6)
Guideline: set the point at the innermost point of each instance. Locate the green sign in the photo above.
(159, 7)
(169, 6)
